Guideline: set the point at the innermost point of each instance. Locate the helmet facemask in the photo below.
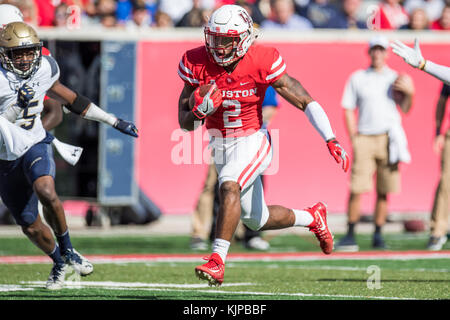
(20, 49)
(22, 61)
(225, 48)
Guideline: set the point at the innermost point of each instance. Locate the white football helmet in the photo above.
(229, 34)
(8, 14)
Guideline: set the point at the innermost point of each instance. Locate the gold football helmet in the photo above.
(20, 49)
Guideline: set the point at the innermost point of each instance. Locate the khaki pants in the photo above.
(370, 156)
(439, 214)
(203, 214)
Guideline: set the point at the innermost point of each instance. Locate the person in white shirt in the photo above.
(413, 57)
(375, 92)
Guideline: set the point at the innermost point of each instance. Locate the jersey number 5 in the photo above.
(232, 110)
(29, 117)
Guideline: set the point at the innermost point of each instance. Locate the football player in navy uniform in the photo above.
(26, 158)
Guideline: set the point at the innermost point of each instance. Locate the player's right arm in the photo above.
(85, 108)
(291, 89)
(186, 118)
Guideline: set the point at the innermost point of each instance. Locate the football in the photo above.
(203, 91)
(414, 225)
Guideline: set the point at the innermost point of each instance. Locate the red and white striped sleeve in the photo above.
(276, 69)
(186, 73)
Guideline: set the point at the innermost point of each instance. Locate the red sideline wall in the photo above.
(307, 172)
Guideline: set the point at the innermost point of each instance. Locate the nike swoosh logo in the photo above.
(244, 83)
(321, 220)
(215, 271)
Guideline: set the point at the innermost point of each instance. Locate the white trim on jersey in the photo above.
(190, 80)
(277, 73)
(184, 68)
(276, 63)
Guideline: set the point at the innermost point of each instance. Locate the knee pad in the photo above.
(28, 218)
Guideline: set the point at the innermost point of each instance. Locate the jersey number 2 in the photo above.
(232, 110)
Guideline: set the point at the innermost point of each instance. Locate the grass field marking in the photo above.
(8, 288)
(116, 286)
(288, 256)
(135, 285)
(342, 268)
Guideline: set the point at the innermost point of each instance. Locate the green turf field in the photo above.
(329, 279)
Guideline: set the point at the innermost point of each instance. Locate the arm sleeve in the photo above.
(438, 71)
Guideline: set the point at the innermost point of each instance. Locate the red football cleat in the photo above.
(320, 228)
(213, 271)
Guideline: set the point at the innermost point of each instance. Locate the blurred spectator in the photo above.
(140, 18)
(379, 143)
(124, 11)
(433, 8)
(45, 12)
(347, 17)
(106, 13)
(106, 7)
(28, 8)
(253, 10)
(320, 13)
(197, 16)
(283, 16)
(108, 20)
(162, 20)
(175, 9)
(418, 20)
(61, 15)
(443, 23)
(264, 8)
(389, 16)
(441, 145)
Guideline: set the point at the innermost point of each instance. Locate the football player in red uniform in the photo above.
(240, 72)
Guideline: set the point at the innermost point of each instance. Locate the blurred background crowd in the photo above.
(286, 14)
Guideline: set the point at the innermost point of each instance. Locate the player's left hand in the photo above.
(413, 57)
(25, 95)
(338, 153)
(126, 127)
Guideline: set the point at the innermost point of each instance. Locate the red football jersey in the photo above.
(243, 89)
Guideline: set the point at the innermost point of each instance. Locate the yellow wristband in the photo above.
(422, 64)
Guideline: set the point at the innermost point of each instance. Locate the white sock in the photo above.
(302, 218)
(221, 246)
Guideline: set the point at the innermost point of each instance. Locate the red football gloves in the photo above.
(338, 153)
(208, 104)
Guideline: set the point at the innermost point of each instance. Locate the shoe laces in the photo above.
(212, 262)
(56, 271)
(73, 256)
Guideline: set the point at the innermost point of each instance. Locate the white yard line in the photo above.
(109, 285)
